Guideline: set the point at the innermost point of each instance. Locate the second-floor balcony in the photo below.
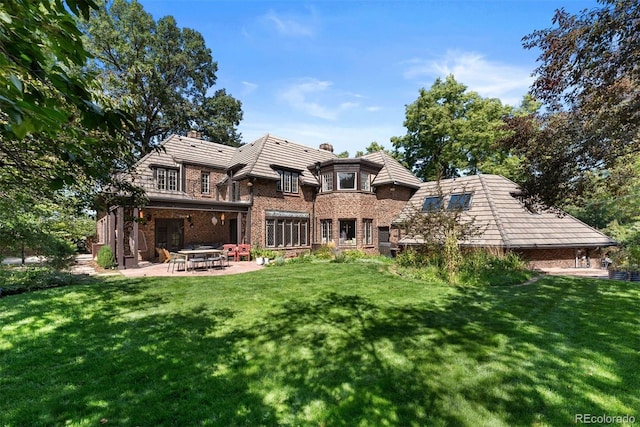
(193, 189)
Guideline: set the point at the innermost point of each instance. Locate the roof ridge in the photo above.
(494, 212)
(263, 143)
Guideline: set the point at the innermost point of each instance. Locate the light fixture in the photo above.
(222, 217)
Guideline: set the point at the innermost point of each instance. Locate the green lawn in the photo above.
(319, 344)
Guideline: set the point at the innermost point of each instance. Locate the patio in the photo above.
(84, 265)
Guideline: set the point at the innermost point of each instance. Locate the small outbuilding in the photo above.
(544, 238)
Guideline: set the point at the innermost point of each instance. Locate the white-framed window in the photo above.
(327, 181)
(367, 232)
(326, 227)
(346, 180)
(288, 182)
(347, 232)
(166, 179)
(205, 186)
(365, 181)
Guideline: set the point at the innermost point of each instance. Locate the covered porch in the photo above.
(172, 227)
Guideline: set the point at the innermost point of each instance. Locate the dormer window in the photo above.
(166, 179)
(288, 182)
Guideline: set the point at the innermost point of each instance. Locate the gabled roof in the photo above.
(509, 224)
(392, 171)
(262, 157)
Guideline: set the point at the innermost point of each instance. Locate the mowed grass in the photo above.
(319, 344)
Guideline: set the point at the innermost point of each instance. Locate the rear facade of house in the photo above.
(271, 193)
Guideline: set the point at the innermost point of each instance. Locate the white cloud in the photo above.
(488, 78)
(291, 25)
(248, 87)
(344, 137)
(316, 98)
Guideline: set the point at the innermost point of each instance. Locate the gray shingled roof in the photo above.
(261, 157)
(508, 223)
(392, 171)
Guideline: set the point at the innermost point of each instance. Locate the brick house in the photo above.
(543, 238)
(271, 193)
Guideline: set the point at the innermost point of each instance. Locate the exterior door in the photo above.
(233, 231)
(170, 234)
(384, 246)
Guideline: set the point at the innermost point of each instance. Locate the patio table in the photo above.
(195, 256)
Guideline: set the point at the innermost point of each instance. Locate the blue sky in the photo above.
(343, 71)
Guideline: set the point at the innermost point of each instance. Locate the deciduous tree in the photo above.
(163, 73)
(589, 82)
(451, 131)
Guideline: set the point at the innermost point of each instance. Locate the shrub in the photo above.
(105, 258)
(17, 280)
(324, 252)
(411, 257)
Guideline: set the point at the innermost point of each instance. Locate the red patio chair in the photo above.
(230, 251)
(243, 251)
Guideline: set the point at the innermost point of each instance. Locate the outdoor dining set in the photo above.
(204, 257)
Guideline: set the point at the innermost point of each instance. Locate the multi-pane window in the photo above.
(367, 232)
(287, 232)
(166, 179)
(288, 182)
(459, 202)
(327, 181)
(365, 181)
(326, 227)
(204, 183)
(346, 180)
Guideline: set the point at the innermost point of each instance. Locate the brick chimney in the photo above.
(194, 134)
(326, 147)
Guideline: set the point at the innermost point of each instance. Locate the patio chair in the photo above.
(230, 251)
(173, 259)
(244, 251)
(218, 258)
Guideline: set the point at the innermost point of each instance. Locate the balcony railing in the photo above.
(192, 188)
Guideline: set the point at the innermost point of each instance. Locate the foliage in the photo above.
(105, 258)
(54, 130)
(163, 73)
(440, 231)
(309, 345)
(451, 131)
(610, 195)
(40, 47)
(50, 228)
(627, 255)
(374, 147)
(16, 280)
(588, 81)
(483, 267)
(325, 252)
